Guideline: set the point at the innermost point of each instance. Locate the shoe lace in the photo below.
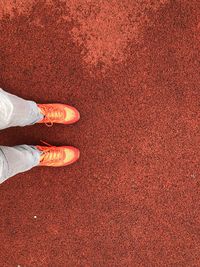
(52, 114)
(49, 154)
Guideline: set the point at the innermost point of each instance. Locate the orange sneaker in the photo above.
(58, 113)
(58, 156)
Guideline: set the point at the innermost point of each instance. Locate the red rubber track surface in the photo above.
(132, 69)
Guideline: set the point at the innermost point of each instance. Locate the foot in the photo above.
(58, 113)
(58, 156)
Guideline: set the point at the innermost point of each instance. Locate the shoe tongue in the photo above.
(56, 114)
(47, 157)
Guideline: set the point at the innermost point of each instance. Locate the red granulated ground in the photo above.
(132, 69)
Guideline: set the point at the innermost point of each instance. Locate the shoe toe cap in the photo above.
(72, 115)
(72, 154)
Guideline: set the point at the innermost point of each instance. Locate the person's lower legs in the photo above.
(17, 159)
(15, 111)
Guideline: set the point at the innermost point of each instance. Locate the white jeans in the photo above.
(15, 111)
